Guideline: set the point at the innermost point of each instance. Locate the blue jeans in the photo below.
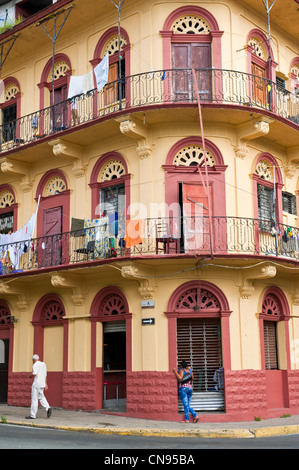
(185, 394)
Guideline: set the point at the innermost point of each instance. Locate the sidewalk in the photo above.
(101, 423)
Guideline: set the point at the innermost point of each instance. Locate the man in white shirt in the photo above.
(39, 374)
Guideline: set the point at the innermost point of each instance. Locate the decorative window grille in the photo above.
(112, 305)
(52, 311)
(112, 45)
(6, 199)
(196, 299)
(193, 156)
(190, 24)
(264, 170)
(258, 48)
(60, 70)
(55, 185)
(5, 316)
(10, 92)
(112, 170)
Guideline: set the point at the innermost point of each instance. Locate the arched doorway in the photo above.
(191, 39)
(53, 219)
(185, 181)
(50, 342)
(198, 316)
(108, 44)
(110, 308)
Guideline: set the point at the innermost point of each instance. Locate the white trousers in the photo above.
(37, 394)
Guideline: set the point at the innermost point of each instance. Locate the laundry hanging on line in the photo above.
(101, 72)
(80, 85)
(14, 243)
(134, 232)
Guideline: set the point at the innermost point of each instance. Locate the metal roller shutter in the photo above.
(114, 326)
(199, 343)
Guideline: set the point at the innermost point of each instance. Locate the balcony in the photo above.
(154, 89)
(155, 238)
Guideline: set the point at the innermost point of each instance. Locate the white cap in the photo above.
(36, 357)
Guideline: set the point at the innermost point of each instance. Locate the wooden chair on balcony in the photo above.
(164, 242)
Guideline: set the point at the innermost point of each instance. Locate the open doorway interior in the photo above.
(114, 380)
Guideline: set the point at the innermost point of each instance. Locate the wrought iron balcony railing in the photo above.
(152, 89)
(154, 238)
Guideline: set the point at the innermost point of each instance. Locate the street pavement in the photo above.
(108, 423)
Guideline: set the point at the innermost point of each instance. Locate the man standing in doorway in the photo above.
(39, 374)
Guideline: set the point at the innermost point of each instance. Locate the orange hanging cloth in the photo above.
(134, 232)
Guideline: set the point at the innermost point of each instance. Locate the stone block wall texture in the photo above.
(79, 391)
(245, 392)
(19, 389)
(293, 388)
(152, 393)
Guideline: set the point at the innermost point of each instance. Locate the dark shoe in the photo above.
(29, 417)
(196, 419)
(49, 412)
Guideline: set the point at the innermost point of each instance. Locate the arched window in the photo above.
(11, 111)
(108, 44)
(110, 185)
(53, 218)
(260, 69)
(274, 330)
(62, 69)
(8, 210)
(265, 182)
(186, 190)
(191, 39)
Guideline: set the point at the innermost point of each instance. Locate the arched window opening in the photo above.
(274, 318)
(7, 210)
(10, 112)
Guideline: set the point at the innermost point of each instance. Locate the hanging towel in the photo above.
(101, 72)
(80, 85)
(134, 232)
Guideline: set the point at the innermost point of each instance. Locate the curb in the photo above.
(238, 433)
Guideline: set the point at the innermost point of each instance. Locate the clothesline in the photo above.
(83, 83)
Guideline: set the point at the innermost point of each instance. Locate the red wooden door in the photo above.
(184, 58)
(50, 248)
(111, 89)
(259, 92)
(196, 217)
